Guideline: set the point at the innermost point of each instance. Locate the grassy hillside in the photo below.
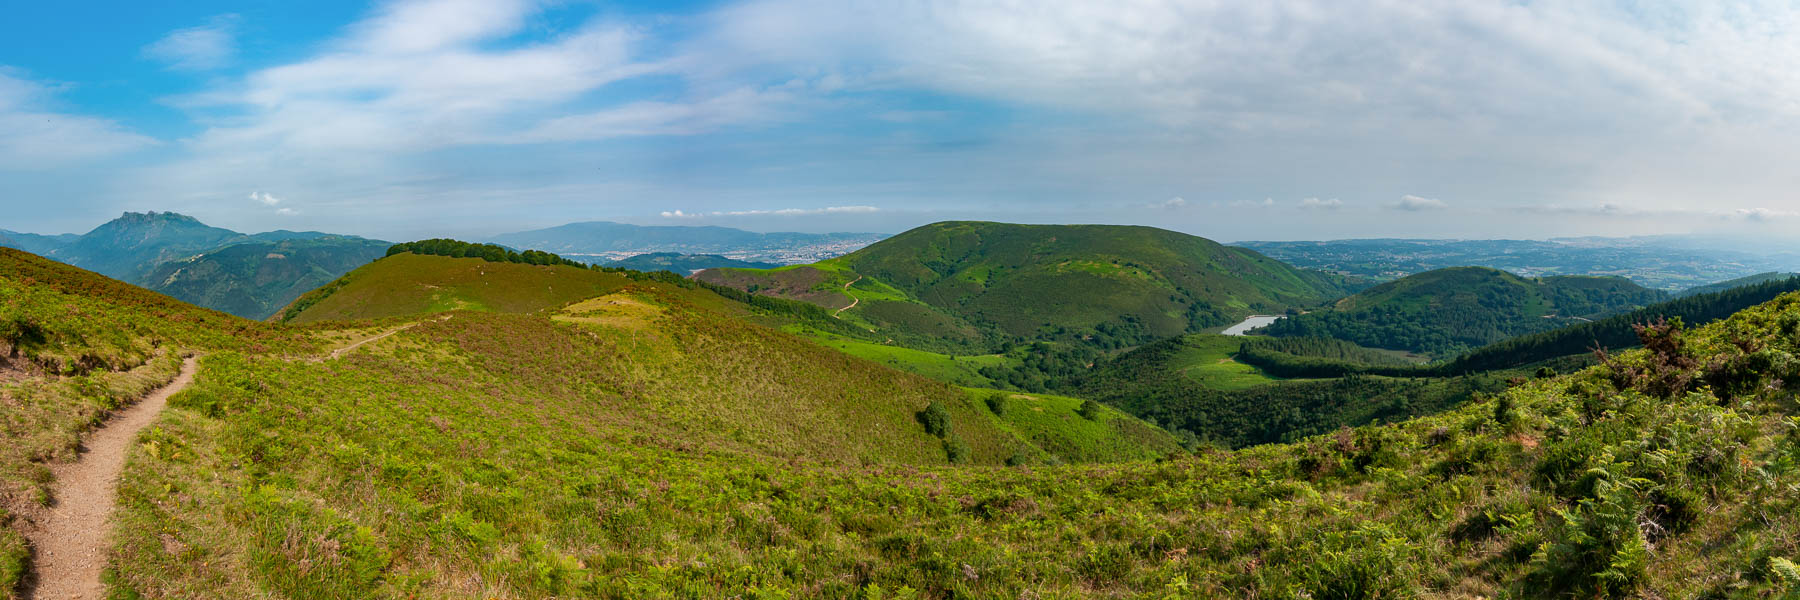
(1448, 310)
(639, 445)
(256, 279)
(411, 284)
(510, 405)
(73, 346)
(1666, 473)
(973, 284)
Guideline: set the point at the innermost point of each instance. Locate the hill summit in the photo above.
(974, 282)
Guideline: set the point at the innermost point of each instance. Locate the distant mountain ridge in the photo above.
(178, 255)
(1668, 263)
(597, 237)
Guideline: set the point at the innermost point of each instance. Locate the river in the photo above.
(1251, 322)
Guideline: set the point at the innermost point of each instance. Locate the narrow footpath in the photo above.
(853, 299)
(71, 538)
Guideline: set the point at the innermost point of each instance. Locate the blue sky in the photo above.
(1232, 120)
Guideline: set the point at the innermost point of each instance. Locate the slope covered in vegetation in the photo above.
(640, 445)
(1758, 278)
(255, 279)
(73, 346)
(411, 284)
(1667, 472)
(1209, 392)
(1446, 311)
(973, 285)
(647, 370)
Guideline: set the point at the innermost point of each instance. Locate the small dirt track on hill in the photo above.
(853, 299)
(71, 537)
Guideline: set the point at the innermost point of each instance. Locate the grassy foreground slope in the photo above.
(630, 445)
(974, 283)
(1445, 311)
(74, 346)
(489, 423)
(431, 467)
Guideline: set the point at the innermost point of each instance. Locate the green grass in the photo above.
(73, 347)
(643, 445)
(1052, 424)
(411, 284)
(450, 470)
(1208, 359)
(959, 370)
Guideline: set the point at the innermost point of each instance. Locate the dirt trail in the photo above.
(71, 537)
(340, 352)
(853, 299)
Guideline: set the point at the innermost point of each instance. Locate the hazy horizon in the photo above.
(1304, 120)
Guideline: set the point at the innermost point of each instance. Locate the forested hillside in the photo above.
(972, 286)
(1446, 311)
(255, 279)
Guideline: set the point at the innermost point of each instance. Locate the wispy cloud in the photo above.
(1585, 107)
(1764, 214)
(264, 198)
(200, 48)
(1413, 203)
(34, 135)
(1607, 209)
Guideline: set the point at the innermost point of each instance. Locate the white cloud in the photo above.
(1764, 214)
(743, 105)
(423, 75)
(1264, 203)
(1284, 65)
(200, 48)
(286, 212)
(1318, 204)
(1173, 203)
(34, 135)
(1413, 203)
(264, 198)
